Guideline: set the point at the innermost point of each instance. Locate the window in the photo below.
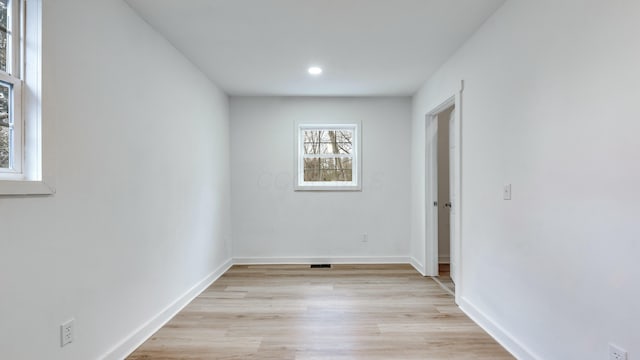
(10, 88)
(22, 168)
(328, 157)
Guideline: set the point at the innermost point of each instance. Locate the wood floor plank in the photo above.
(346, 312)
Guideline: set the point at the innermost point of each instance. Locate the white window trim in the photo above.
(36, 176)
(354, 185)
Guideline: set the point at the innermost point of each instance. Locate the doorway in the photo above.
(442, 201)
(445, 150)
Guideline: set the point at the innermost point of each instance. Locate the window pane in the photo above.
(4, 34)
(328, 169)
(338, 141)
(6, 127)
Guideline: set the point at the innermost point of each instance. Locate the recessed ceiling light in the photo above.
(314, 70)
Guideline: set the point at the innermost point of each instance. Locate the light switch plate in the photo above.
(507, 192)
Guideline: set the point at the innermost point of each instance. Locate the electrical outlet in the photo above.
(616, 353)
(507, 192)
(67, 333)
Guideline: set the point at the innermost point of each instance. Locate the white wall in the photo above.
(271, 221)
(141, 212)
(550, 105)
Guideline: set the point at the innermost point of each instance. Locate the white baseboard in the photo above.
(502, 336)
(417, 265)
(303, 260)
(140, 335)
(444, 260)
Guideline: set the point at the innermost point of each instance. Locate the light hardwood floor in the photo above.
(346, 312)
(444, 278)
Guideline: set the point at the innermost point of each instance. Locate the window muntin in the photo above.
(327, 157)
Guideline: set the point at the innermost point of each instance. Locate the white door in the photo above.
(452, 195)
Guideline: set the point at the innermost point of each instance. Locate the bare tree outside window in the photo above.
(5, 127)
(328, 156)
(5, 121)
(4, 34)
(324, 144)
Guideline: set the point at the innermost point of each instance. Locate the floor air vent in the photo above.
(321, 266)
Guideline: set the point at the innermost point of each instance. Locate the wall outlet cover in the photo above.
(617, 353)
(67, 332)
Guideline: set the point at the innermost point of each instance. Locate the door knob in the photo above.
(447, 205)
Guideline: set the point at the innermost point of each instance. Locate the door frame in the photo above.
(431, 191)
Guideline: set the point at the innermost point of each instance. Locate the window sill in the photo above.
(25, 187)
(326, 188)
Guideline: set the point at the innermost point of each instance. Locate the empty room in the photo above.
(297, 179)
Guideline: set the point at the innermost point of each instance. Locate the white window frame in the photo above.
(29, 175)
(356, 178)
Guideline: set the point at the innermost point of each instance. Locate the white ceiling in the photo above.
(366, 47)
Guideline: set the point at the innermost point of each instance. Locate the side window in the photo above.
(327, 157)
(11, 122)
(23, 169)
